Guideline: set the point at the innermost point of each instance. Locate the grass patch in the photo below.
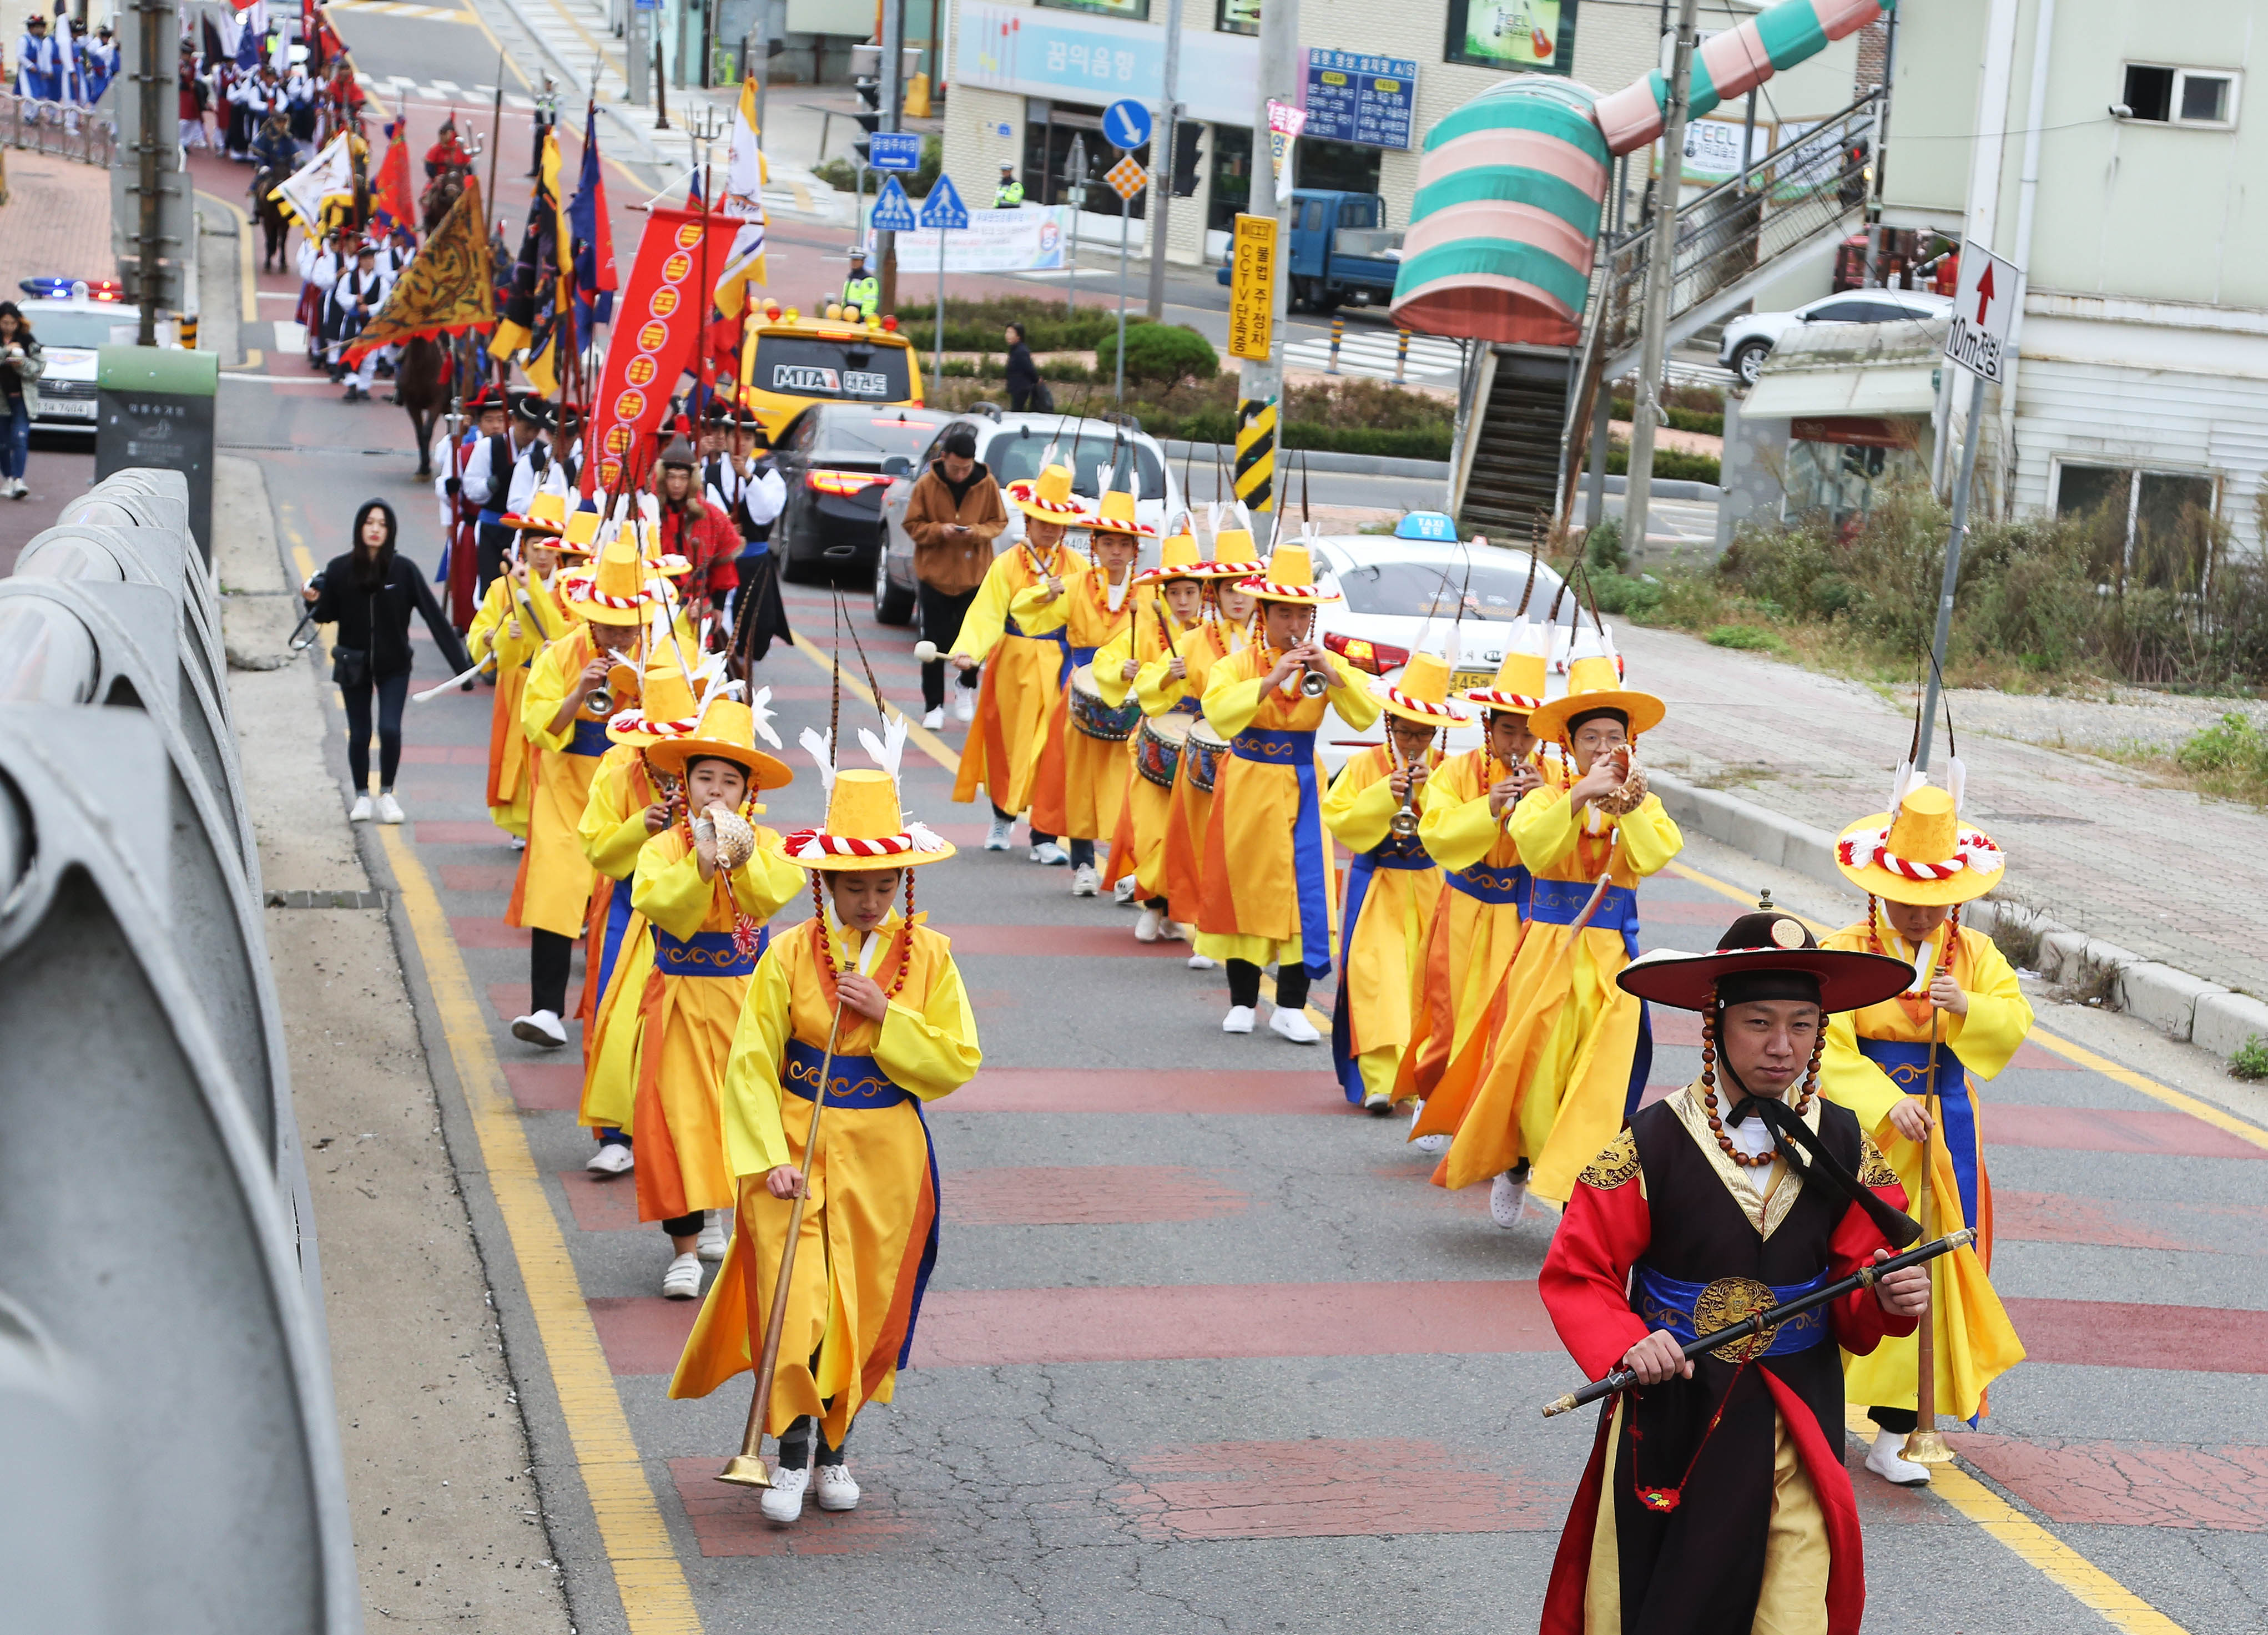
(2250, 1062)
(1746, 638)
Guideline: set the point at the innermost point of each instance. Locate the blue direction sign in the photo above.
(1126, 123)
(894, 150)
(893, 212)
(943, 207)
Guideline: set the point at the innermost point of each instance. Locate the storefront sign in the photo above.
(1098, 60)
(1534, 35)
(1353, 97)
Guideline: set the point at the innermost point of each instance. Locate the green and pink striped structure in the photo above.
(1734, 63)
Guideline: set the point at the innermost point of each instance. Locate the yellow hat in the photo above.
(1596, 682)
(1048, 496)
(1177, 559)
(547, 514)
(865, 829)
(1234, 556)
(1423, 693)
(1924, 856)
(1290, 577)
(1519, 685)
(669, 564)
(616, 591)
(727, 732)
(1115, 515)
(665, 707)
(582, 531)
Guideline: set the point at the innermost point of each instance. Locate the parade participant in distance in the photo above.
(1266, 879)
(882, 990)
(485, 413)
(272, 149)
(1023, 672)
(1466, 826)
(698, 531)
(519, 618)
(487, 481)
(447, 150)
(355, 297)
(560, 443)
(1148, 661)
(1392, 886)
(189, 102)
(1081, 774)
(564, 711)
(1716, 1499)
(705, 885)
(1228, 629)
(38, 62)
(1917, 868)
(954, 515)
(1571, 1064)
(748, 487)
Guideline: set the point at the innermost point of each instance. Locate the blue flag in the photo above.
(595, 238)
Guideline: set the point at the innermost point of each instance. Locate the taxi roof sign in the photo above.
(1427, 525)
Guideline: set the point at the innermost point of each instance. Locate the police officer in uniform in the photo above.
(862, 291)
(1010, 193)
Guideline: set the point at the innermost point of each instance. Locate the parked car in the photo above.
(1748, 341)
(71, 319)
(1013, 446)
(838, 461)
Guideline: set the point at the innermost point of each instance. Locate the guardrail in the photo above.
(165, 1377)
(64, 129)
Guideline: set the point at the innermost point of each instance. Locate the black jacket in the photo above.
(1023, 373)
(377, 621)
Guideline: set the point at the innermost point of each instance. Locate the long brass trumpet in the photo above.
(1404, 823)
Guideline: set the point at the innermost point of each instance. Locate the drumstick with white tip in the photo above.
(925, 652)
(465, 679)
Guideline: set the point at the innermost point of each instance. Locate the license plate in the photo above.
(1466, 679)
(71, 408)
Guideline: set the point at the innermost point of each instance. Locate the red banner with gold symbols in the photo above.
(657, 327)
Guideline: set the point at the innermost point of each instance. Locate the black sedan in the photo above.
(839, 461)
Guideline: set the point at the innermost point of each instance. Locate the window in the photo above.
(1236, 17)
(1424, 590)
(2158, 95)
(1518, 36)
(2155, 527)
(1085, 445)
(1137, 11)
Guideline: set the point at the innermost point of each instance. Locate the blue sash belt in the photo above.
(1668, 1303)
(1906, 1065)
(1560, 902)
(491, 519)
(705, 953)
(858, 1082)
(1495, 887)
(1061, 637)
(1396, 851)
(1187, 706)
(618, 925)
(590, 738)
(1296, 753)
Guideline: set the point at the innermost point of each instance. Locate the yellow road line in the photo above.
(656, 1599)
(935, 748)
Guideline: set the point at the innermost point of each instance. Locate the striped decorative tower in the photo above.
(1734, 63)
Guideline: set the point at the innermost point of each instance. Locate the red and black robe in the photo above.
(1661, 1222)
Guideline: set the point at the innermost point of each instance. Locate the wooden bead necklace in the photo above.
(1709, 1090)
(1917, 1007)
(905, 938)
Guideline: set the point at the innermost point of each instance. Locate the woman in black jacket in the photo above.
(370, 594)
(1023, 389)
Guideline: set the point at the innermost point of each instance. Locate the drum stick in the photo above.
(925, 652)
(459, 680)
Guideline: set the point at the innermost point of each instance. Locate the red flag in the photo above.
(657, 331)
(393, 199)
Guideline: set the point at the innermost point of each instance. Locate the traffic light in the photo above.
(1185, 134)
(868, 113)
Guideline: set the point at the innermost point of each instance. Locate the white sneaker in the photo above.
(837, 1490)
(933, 718)
(783, 1501)
(1378, 1105)
(1173, 931)
(995, 838)
(518, 843)
(1085, 883)
(1123, 893)
(540, 1027)
(716, 1233)
(361, 810)
(1150, 927)
(682, 1280)
(1507, 1198)
(613, 1158)
(1885, 1460)
(389, 809)
(1429, 1145)
(1050, 855)
(1239, 1020)
(1204, 962)
(964, 703)
(1293, 1025)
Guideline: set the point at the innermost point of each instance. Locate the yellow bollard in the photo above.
(1401, 357)
(1338, 333)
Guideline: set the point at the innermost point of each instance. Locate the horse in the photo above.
(270, 212)
(440, 194)
(420, 381)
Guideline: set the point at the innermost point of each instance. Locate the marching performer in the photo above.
(1572, 1064)
(1265, 894)
(705, 885)
(1023, 672)
(486, 482)
(1392, 886)
(1917, 868)
(1153, 646)
(518, 619)
(1228, 629)
(877, 990)
(1716, 1498)
(1080, 777)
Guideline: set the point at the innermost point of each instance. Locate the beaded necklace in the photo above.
(1709, 1089)
(1031, 560)
(826, 941)
(1917, 1007)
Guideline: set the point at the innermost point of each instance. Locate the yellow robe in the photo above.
(689, 1010)
(1079, 780)
(1973, 1341)
(1555, 1081)
(539, 620)
(613, 833)
(1385, 938)
(1022, 675)
(1189, 813)
(1257, 853)
(1138, 843)
(867, 1225)
(553, 892)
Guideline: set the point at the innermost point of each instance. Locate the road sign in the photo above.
(894, 150)
(1983, 309)
(1252, 288)
(893, 212)
(943, 207)
(1126, 178)
(1126, 123)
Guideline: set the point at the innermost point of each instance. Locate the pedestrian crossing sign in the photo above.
(893, 212)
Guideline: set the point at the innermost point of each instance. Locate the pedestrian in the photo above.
(1917, 868)
(744, 483)
(1477, 923)
(953, 515)
(1227, 631)
(1570, 1063)
(1266, 873)
(1023, 672)
(370, 592)
(519, 617)
(694, 529)
(705, 885)
(1024, 387)
(1393, 887)
(22, 361)
(1081, 776)
(864, 1006)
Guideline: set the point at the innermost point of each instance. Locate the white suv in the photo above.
(69, 329)
(1748, 341)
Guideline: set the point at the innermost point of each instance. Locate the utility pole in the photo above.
(894, 102)
(1259, 386)
(147, 149)
(1161, 169)
(1660, 275)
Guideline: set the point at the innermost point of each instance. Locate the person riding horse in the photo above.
(275, 156)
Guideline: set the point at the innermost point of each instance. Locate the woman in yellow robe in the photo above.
(1916, 870)
(1227, 628)
(1162, 629)
(1392, 886)
(1023, 672)
(517, 620)
(874, 996)
(1267, 891)
(1572, 1060)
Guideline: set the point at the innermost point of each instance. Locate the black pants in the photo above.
(1897, 1421)
(795, 1445)
(392, 692)
(492, 540)
(1244, 985)
(685, 1226)
(548, 957)
(938, 614)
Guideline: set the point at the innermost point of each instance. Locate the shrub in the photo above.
(1627, 596)
(976, 326)
(1164, 353)
(2230, 757)
(1602, 546)
(1746, 638)
(1669, 463)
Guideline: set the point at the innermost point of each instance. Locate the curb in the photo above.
(2182, 1005)
(1318, 459)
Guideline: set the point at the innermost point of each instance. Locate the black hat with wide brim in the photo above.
(1756, 949)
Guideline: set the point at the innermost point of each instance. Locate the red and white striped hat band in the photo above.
(806, 845)
(631, 721)
(1271, 591)
(1025, 492)
(1495, 700)
(1400, 700)
(1973, 852)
